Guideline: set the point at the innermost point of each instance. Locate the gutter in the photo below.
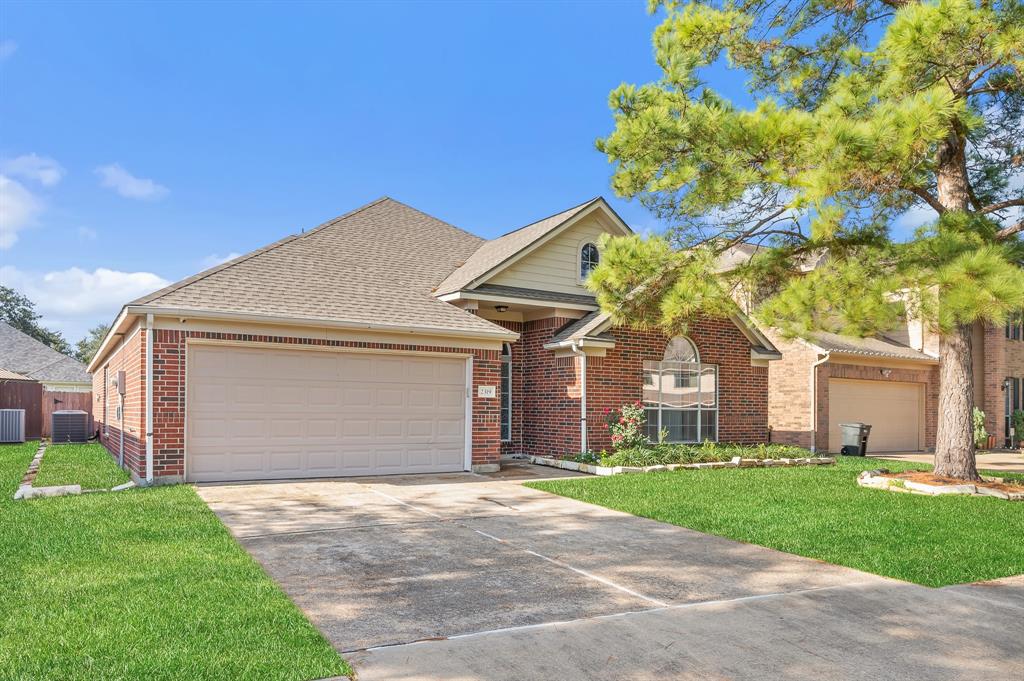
(814, 397)
(498, 333)
(578, 351)
(149, 398)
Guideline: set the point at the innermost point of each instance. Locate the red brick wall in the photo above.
(169, 394)
(131, 359)
(551, 412)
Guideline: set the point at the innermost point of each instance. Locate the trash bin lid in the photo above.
(852, 425)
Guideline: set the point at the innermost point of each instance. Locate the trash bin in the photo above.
(855, 438)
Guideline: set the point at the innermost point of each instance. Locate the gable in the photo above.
(554, 265)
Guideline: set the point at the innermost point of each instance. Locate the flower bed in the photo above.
(924, 482)
(667, 457)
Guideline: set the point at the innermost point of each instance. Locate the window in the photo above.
(1014, 401)
(681, 395)
(1015, 326)
(506, 392)
(589, 257)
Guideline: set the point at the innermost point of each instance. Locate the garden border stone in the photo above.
(878, 479)
(736, 462)
(26, 490)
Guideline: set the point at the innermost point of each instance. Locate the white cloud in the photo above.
(915, 217)
(7, 48)
(18, 208)
(124, 183)
(213, 259)
(73, 300)
(87, 234)
(43, 170)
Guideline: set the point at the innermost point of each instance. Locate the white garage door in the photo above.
(263, 413)
(894, 410)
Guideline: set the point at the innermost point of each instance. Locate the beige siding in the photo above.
(554, 266)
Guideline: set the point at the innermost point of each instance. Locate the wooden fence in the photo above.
(56, 400)
(27, 395)
(39, 404)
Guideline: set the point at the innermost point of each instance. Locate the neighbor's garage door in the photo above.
(261, 413)
(894, 410)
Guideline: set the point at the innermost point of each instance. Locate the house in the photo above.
(387, 341)
(890, 381)
(40, 380)
(24, 355)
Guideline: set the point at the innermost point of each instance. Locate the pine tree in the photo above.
(863, 111)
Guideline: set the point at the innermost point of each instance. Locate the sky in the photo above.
(141, 143)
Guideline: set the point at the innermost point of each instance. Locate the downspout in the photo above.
(578, 352)
(814, 399)
(149, 398)
(120, 408)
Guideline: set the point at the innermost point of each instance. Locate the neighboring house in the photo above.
(387, 341)
(890, 381)
(40, 380)
(24, 355)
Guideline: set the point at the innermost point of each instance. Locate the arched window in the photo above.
(506, 392)
(681, 395)
(589, 257)
(681, 349)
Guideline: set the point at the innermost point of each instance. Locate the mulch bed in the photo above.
(931, 479)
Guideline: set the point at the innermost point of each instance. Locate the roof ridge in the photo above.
(199, 276)
(434, 217)
(566, 210)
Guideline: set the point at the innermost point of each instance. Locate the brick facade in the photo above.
(1003, 358)
(130, 358)
(169, 396)
(546, 409)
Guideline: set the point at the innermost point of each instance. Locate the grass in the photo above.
(140, 584)
(822, 513)
(89, 465)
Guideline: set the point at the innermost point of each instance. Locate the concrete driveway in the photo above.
(465, 576)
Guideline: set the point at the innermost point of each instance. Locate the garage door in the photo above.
(894, 410)
(264, 413)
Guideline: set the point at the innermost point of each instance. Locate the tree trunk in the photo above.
(954, 447)
(954, 441)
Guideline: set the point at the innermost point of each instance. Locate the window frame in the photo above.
(581, 277)
(670, 366)
(505, 395)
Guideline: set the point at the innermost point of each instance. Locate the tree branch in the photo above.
(927, 198)
(1001, 205)
(1007, 232)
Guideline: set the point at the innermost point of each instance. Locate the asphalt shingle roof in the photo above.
(376, 265)
(492, 253)
(25, 355)
(871, 347)
(536, 294)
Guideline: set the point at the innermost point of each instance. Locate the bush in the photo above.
(980, 434)
(664, 453)
(627, 426)
(1018, 427)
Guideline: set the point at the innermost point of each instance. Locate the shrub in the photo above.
(627, 426)
(1018, 427)
(980, 434)
(665, 453)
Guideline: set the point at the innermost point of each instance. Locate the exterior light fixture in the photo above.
(501, 308)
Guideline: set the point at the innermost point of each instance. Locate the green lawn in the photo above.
(90, 466)
(820, 512)
(139, 584)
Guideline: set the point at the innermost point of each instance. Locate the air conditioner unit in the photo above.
(12, 425)
(70, 425)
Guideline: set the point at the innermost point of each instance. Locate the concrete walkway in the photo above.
(1002, 461)
(465, 576)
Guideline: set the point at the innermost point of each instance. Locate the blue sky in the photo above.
(140, 141)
